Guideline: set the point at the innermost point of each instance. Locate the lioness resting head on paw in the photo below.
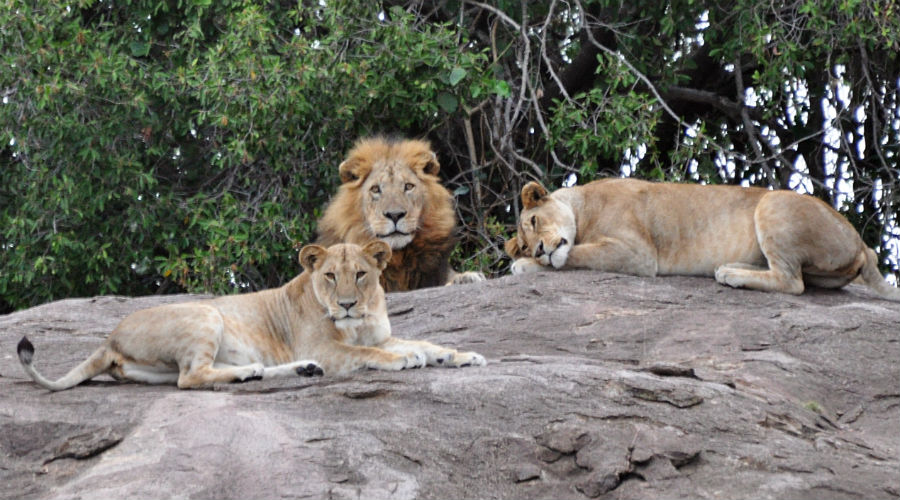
(391, 192)
(776, 241)
(331, 318)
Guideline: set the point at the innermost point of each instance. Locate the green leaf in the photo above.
(456, 75)
(139, 49)
(501, 88)
(461, 190)
(447, 102)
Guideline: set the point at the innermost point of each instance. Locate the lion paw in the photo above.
(310, 369)
(468, 359)
(467, 277)
(526, 265)
(249, 372)
(727, 276)
(415, 360)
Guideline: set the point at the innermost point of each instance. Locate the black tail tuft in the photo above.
(25, 350)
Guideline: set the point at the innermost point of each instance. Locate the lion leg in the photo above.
(196, 352)
(304, 368)
(616, 256)
(146, 374)
(342, 358)
(435, 355)
(777, 279)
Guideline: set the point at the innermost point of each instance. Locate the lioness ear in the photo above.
(512, 248)
(380, 251)
(533, 194)
(310, 255)
(353, 168)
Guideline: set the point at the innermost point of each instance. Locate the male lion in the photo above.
(334, 314)
(391, 192)
(745, 237)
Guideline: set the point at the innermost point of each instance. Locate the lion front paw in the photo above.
(415, 359)
(526, 265)
(401, 361)
(467, 277)
(249, 372)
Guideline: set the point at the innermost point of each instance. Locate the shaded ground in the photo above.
(598, 385)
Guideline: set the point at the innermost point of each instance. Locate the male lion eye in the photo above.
(360, 275)
(375, 190)
(329, 276)
(409, 186)
(533, 220)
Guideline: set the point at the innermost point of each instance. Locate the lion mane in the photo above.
(421, 262)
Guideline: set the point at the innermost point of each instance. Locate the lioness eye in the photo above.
(409, 186)
(524, 246)
(329, 276)
(533, 220)
(375, 190)
(360, 275)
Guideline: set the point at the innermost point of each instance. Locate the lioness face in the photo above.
(546, 228)
(547, 233)
(345, 278)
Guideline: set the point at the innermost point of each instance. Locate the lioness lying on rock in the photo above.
(777, 241)
(330, 319)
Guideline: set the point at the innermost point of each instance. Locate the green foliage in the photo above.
(151, 146)
(159, 146)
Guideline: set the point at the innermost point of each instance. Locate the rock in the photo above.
(598, 386)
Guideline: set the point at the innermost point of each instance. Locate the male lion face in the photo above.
(546, 229)
(391, 180)
(345, 278)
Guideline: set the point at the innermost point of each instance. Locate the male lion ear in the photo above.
(380, 251)
(512, 247)
(422, 158)
(353, 168)
(533, 194)
(310, 255)
(432, 167)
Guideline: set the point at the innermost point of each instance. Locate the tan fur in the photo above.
(333, 317)
(390, 179)
(745, 237)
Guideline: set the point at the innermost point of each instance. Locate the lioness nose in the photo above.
(395, 216)
(347, 304)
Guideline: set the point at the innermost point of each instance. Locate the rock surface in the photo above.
(598, 386)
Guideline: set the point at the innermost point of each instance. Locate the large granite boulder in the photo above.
(598, 386)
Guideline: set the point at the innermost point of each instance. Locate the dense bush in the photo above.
(159, 146)
(156, 146)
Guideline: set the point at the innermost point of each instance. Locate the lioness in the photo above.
(333, 315)
(745, 237)
(391, 192)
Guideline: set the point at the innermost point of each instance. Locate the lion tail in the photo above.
(872, 277)
(94, 365)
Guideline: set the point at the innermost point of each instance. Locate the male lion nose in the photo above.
(395, 216)
(347, 304)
